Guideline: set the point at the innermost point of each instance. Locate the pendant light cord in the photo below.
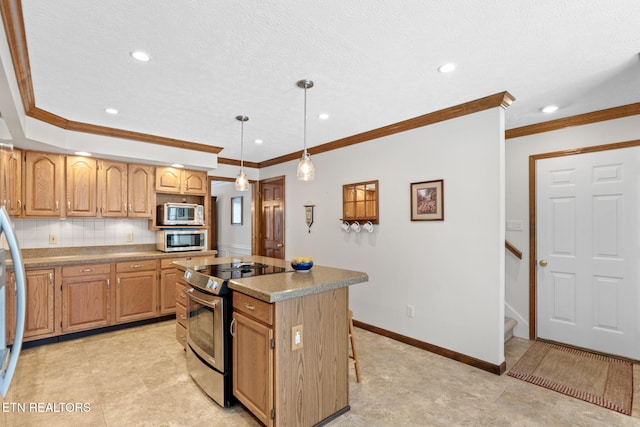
(305, 120)
(242, 144)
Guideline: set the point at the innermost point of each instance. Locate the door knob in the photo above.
(543, 263)
(279, 245)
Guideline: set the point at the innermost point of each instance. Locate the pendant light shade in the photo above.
(242, 183)
(306, 171)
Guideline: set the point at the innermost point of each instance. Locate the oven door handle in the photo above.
(211, 304)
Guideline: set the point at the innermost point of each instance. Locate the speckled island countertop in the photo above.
(46, 257)
(281, 286)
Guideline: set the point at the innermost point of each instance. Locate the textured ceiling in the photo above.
(373, 63)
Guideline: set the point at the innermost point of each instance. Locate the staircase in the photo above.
(509, 325)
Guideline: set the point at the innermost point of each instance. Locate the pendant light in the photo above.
(306, 171)
(242, 183)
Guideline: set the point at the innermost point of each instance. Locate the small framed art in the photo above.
(427, 201)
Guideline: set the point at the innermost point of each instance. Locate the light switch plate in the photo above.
(296, 338)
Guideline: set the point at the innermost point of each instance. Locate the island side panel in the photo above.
(312, 383)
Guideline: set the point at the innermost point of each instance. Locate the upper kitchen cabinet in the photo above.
(82, 191)
(44, 184)
(126, 190)
(181, 181)
(11, 181)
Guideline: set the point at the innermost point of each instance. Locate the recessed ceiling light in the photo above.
(141, 56)
(258, 141)
(83, 153)
(549, 109)
(323, 116)
(447, 68)
(177, 165)
(112, 111)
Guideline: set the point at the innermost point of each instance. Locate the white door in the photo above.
(588, 250)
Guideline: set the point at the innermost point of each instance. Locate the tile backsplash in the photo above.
(41, 233)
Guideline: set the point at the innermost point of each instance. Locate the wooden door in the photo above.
(168, 277)
(112, 189)
(195, 182)
(253, 367)
(40, 303)
(141, 191)
(82, 191)
(588, 289)
(85, 303)
(44, 179)
(272, 218)
(11, 181)
(168, 179)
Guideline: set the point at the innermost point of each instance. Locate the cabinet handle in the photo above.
(137, 266)
(233, 334)
(51, 279)
(124, 207)
(69, 204)
(87, 270)
(118, 282)
(130, 210)
(183, 295)
(183, 317)
(57, 205)
(250, 307)
(108, 283)
(19, 204)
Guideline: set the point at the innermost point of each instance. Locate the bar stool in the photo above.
(354, 351)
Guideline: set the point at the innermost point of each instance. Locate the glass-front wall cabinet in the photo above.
(360, 202)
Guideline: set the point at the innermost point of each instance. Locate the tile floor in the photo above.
(137, 377)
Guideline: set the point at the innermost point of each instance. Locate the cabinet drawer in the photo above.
(141, 265)
(181, 334)
(181, 314)
(167, 262)
(181, 295)
(260, 310)
(85, 270)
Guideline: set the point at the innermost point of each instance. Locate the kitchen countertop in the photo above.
(45, 257)
(278, 287)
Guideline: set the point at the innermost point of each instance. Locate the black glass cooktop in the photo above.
(238, 270)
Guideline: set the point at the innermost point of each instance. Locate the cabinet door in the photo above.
(253, 367)
(136, 296)
(40, 303)
(44, 182)
(195, 182)
(82, 191)
(85, 303)
(140, 191)
(11, 181)
(112, 189)
(168, 180)
(10, 304)
(168, 290)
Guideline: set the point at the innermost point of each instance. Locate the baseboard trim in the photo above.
(441, 351)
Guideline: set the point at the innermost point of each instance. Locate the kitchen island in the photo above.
(290, 341)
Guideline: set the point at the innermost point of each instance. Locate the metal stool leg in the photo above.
(354, 351)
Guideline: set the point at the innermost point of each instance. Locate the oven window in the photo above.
(201, 326)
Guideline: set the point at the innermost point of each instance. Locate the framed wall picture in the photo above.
(236, 210)
(427, 201)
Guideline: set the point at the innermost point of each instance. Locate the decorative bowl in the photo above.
(302, 267)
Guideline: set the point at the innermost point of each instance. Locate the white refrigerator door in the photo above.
(10, 359)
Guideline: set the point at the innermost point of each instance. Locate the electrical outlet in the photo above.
(296, 338)
(128, 237)
(53, 239)
(411, 312)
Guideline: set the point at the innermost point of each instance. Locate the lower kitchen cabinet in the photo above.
(136, 290)
(181, 287)
(86, 297)
(253, 366)
(310, 374)
(39, 321)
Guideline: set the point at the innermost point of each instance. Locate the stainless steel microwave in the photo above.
(180, 214)
(181, 240)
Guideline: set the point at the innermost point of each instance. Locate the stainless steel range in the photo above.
(208, 324)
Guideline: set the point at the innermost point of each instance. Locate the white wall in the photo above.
(233, 240)
(451, 271)
(518, 151)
